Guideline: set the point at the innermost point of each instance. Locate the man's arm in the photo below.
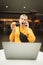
(12, 37)
(31, 37)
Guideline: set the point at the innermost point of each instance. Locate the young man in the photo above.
(22, 33)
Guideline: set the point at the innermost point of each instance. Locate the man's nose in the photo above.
(24, 20)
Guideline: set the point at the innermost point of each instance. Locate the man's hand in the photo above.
(27, 24)
(13, 26)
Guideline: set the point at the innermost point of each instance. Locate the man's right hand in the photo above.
(13, 26)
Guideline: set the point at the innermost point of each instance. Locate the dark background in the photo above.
(18, 6)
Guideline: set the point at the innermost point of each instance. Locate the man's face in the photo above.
(23, 20)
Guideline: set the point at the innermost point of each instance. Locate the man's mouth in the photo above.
(24, 24)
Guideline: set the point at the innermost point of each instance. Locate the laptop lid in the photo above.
(21, 51)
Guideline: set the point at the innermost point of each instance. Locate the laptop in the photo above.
(23, 51)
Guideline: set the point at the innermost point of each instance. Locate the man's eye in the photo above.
(22, 18)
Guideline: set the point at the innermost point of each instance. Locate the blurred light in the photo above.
(6, 6)
(24, 7)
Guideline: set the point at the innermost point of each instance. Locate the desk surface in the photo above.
(4, 61)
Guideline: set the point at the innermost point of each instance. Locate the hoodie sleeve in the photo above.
(12, 37)
(31, 37)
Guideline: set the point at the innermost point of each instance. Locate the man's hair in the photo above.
(24, 15)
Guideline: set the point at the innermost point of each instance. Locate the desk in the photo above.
(4, 61)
